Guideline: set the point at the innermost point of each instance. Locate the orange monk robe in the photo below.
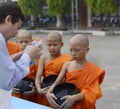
(88, 81)
(31, 75)
(12, 47)
(53, 68)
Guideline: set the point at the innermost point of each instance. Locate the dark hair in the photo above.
(10, 9)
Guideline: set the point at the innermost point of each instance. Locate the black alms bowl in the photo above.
(48, 81)
(24, 85)
(64, 89)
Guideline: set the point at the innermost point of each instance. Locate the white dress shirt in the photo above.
(5, 99)
(10, 73)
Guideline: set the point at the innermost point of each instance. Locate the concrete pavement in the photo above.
(93, 32)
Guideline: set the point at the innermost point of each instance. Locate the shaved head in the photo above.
(55, 35)
(24, 33)
(82, 39)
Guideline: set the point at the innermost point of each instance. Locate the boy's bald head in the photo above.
(55, 35)
(24, 33)
(83, 39)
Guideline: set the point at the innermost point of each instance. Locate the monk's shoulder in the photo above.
(66, 56)
(68, 63)
(12, 44)
(94, 67)
(46, 59)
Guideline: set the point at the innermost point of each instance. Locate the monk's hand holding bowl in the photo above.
(51, 99)
(43, 91)
(32, 92)
(68, 103)
(16, 90)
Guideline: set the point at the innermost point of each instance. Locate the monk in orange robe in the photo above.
(24, 38)
(85, 75)
(88, 83)
(50, 64)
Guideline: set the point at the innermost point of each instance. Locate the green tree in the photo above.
(101, 6)
(30, 8)
(58, 8)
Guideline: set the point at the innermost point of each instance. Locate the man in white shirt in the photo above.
(11, 19)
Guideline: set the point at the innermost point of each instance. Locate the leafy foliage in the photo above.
(101, 6)
(30, 6)
(60, 7)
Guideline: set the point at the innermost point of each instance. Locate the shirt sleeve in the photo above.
(11, 73)
(21, 70)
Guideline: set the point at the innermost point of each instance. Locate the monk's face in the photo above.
(54, 46)
(24, 41)
(78, 50)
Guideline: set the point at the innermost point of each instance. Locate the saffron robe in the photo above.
(53, 68)
(88, 81)
(12, 47)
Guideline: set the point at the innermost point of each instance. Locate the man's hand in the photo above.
(34, 51)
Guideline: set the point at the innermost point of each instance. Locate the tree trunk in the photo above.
(32, 21)
(59, 21)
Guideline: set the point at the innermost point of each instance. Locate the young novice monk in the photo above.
(85, 75)
(24, 38)
(50, 64)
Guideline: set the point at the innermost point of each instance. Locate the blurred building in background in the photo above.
(80, 17)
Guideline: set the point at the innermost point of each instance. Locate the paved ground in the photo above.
(105, 52)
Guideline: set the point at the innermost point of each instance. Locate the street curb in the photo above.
(90, 32)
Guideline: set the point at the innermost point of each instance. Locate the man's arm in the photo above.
(16, 56)
(11, 73)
